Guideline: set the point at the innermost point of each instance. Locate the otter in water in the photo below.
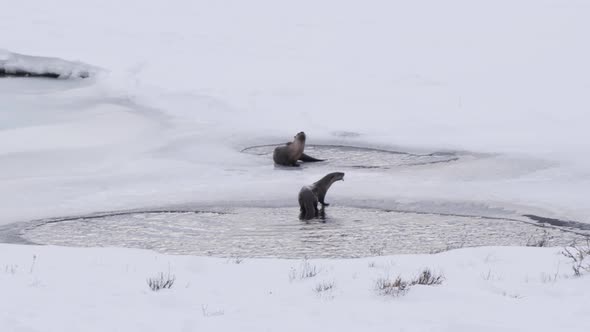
(309, 196)
(289, 154)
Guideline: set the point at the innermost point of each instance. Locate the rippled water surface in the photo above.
(276, 232)
(357, 157)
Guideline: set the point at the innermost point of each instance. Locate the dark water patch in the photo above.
(22, 73)
(42, 74)
(21, 65)
(559, 223)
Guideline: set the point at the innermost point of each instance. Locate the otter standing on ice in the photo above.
(288, 154)
(309, 196)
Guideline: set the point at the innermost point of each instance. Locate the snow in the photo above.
(485, 289)
(178, 88)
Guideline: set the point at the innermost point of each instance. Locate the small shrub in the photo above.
(211, 313)
(236, 259)
(33, 264)
(306, 270)
(548, 278)
(10, 269)
(512, 295)
(398, 286)
(427, 278)
(161, 282)
(324, 286)
(578, 257)
(541, 241)
(489, 276)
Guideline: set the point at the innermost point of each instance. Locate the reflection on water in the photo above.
(348, 156)
(277, 232)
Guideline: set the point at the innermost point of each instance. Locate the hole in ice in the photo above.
(277, 232)
(361, 157)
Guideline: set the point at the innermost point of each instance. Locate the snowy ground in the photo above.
(178, 88)
(485, 289)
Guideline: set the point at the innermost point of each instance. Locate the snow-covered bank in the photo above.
(485, 289)
(13, 64)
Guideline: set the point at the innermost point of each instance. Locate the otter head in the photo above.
(300, 137)
(336, 176)
(297, 146)
(331, 178)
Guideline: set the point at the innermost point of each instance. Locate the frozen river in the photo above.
(74, 148)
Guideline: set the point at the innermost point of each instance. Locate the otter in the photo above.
(290, 153)
(309, 196)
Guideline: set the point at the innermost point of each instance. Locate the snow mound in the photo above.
(14, 64)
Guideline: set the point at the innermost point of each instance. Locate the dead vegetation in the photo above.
(305, 270)
(399, 286)
(541, 240)
(161, 282)
(579, 257)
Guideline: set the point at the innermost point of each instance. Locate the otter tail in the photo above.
(307, 158)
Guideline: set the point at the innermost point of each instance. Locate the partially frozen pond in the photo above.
(276, 232)
(362, 157)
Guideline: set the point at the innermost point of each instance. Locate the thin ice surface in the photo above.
(260, 232)
(360, 157)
